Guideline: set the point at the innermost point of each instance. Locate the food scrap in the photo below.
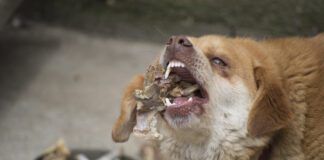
(159, 87)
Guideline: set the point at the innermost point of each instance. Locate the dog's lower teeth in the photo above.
(168, 102)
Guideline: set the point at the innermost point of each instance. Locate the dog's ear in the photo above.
(270, 109)
(127, 119)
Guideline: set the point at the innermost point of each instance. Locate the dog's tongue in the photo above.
(180, 100)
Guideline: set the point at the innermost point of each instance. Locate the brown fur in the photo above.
(286, 78)
(126, 121)
(270, 110)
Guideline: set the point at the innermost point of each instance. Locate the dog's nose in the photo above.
(178, 47)
(178, 41)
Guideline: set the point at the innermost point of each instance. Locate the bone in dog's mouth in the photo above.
(188, 96)
(171, 92)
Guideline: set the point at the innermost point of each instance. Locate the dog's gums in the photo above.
(172, 91)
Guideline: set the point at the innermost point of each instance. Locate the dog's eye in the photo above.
(218, 61)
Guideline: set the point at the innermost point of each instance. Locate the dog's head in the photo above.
(240, 88)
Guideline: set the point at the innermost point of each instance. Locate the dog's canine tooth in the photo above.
(168, 70)
(190, 99)
(173, 64)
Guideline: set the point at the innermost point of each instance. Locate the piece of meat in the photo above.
(149, 103)
(151, 100)
(146, 125)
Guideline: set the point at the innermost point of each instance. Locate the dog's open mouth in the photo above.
(173, 93)
(188, 95)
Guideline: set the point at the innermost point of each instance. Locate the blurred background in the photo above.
(64, 63)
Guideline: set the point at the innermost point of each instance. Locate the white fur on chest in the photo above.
(228, 111)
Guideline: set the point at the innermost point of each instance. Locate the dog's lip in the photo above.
(183, 106)
(187, 101)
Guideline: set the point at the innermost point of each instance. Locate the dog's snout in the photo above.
(179, 41)
(178, 45)
(180, 48)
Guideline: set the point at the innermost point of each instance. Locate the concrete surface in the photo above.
(57, 83)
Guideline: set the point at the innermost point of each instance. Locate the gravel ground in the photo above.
(58, 83)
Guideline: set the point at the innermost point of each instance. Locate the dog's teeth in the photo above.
(176, 64)
(167, 72)
(167, 102)
(171, 64)
(180, 64)
(190, 99)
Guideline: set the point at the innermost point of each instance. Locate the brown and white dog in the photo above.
(261, 100)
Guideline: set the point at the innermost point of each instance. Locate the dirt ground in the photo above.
(58, 83)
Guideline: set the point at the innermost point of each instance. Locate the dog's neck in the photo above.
(224, 135)
(227, 144)
(214, 149)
